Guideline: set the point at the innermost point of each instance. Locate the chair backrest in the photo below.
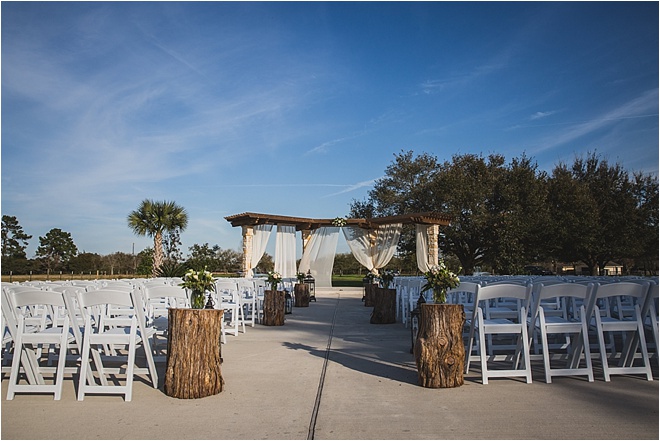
(505, 291)
(617, 291)
(521, 293)
(44, 308)
(153, 292)
(566, 292)
(118, 286)
(8, 316)
(37, 297)
(105, 297)
(226, 286)
(562, 290)
(173, 295)
(465, 291)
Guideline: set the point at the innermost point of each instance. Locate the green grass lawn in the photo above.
(347, 280)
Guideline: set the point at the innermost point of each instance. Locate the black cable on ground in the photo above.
(317, 402)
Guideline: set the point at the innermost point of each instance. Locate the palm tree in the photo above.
(153, 218)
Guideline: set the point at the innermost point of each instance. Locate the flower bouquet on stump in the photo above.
(384, 300)
(439, 351)
(369, 283)
(193, 349)
(274, 301)
(301, 292)
(198, 283)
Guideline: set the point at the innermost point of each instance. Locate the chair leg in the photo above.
(546, 356)
(15, 366)
(84, 367)
(61, 362)
(642, 343)
(601, 344)
(130, 365)
(587, 352)
(483, 355)
(526, 356)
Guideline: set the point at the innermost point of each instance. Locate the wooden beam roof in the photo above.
(302, 223)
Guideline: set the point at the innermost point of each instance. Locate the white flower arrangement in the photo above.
(439, 279)
(273, 279)
(339, 221)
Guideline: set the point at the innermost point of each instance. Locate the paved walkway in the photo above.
(329, 374)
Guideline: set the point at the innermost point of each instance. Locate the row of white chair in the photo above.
(535, 310)
(104, 324)
(120, 315)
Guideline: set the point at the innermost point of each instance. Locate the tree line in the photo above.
(506, 215)
(58, 254)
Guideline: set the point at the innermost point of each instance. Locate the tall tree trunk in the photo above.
(158, 253)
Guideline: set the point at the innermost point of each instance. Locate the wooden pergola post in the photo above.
(433, 231)
(248, 234)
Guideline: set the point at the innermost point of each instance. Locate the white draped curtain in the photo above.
(373, 248)
(285, 250)
(260, 236)
(319, 255)
(422, 248)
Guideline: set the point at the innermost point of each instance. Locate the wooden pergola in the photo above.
(247, 221)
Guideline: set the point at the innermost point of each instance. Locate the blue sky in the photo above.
(297, 108)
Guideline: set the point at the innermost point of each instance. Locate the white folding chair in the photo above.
(650, 317)
(465, 294)
(10, 324)
(504, 326)
(630, 325)
(229, 300)
(650, 314)
(572, 328)
(30, 340)
(260, 287)
(248, 297)
(95, 306)
(157, 299)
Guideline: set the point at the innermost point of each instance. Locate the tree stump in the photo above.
(384, 307)
(369, 291)
(274, 303)
(301, 292)
(439, 350)
(193, 353)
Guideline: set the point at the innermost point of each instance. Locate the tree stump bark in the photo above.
(193, 353)
(369, 291)
(301, 292)
(274, 303)
(439, 350)
(384, 306)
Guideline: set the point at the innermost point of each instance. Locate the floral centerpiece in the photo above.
(439, 279)
(300, 277)
(198, 282)
(273, 279)
(386, 278)
(370, 278)
(339, 221)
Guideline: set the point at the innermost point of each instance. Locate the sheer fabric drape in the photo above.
(285, 250)
(373, 248)
(260, 236)
(422, 248)
(319, 255)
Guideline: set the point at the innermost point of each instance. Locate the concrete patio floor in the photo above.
(329, 374)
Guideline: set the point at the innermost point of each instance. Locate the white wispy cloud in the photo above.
(353, 187)
(540, 115)
(643, 106)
